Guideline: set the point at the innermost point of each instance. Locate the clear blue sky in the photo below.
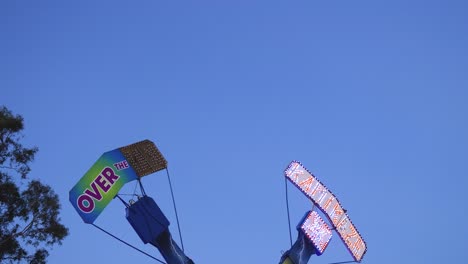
(371, 96)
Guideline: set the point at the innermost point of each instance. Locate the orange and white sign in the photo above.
(329, 204)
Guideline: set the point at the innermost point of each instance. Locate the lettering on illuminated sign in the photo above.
(317, 231)
(328, 203)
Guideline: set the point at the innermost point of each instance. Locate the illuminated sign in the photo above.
(317, 231)
(329, 204)
(144, 157)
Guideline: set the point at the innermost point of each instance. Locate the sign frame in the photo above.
(329, 204)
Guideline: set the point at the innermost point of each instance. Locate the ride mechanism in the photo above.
(314, 233)
(102, 182)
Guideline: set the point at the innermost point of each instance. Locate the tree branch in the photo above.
(8, 167)
(22, 232)
(17, 170)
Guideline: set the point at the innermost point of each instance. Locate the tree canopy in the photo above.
(29, 210)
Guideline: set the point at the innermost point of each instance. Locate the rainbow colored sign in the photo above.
(96, 189)
(329, 204)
